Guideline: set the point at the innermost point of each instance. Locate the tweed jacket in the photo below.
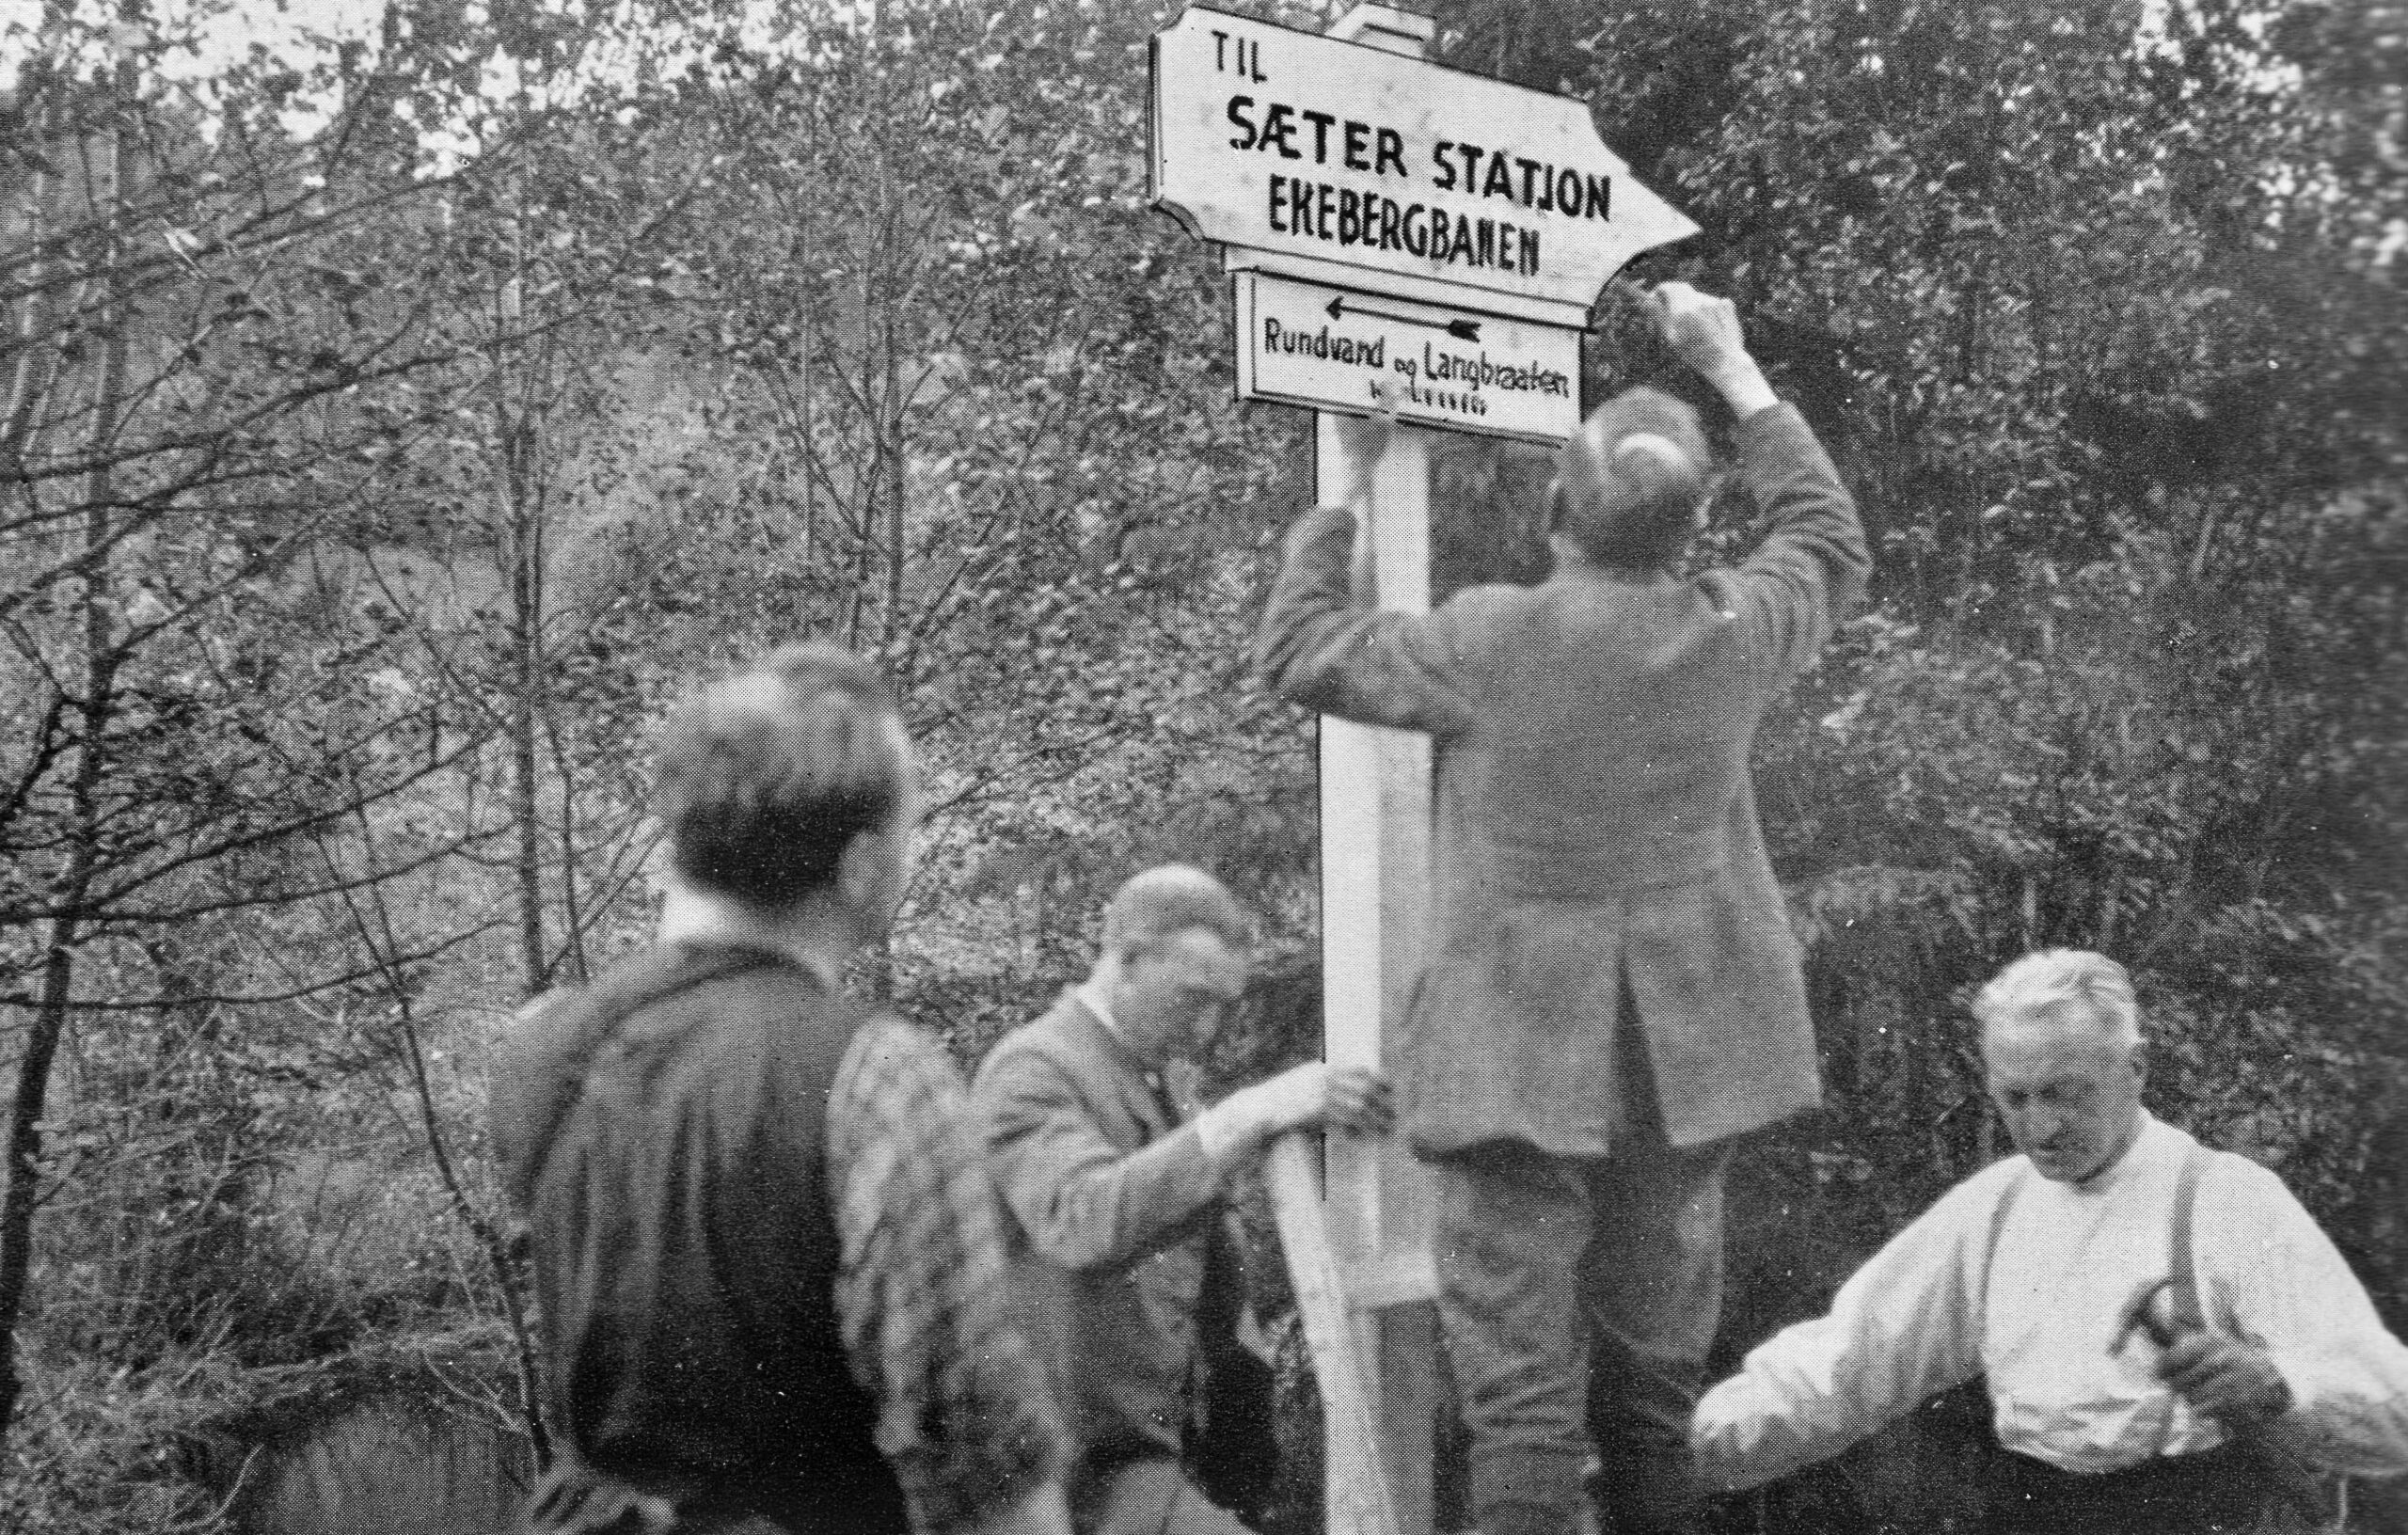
(1118, 1214)
(1596, 832)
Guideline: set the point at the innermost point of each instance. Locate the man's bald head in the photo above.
(1629, 482)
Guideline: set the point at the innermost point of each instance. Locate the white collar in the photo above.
(1091, 996)
(692, 917)
(2152, 1142)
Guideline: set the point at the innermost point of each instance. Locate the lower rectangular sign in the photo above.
(1300, 343)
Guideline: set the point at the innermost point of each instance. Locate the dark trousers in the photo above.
(1579, 1296)
(2218, 1492)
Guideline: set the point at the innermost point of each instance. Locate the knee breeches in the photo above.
(1580, 1297)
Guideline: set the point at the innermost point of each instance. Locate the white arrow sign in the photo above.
(1302, 344)
(1293, 143)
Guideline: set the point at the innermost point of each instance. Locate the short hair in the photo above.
(766, 776)
(1628, 484)
(1168, 900)
(2062, 986)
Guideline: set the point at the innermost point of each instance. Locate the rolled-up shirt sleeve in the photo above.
(964, 1417)
(1901, 1328)
(2272, 1276)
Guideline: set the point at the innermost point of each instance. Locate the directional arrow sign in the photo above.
(1461, 330)
(1293, 143)
(1302, 344)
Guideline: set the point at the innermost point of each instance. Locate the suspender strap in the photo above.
(2285, 1475)
(2182, 1257)
(667, 971)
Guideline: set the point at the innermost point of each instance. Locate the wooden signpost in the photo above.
(1386, 219)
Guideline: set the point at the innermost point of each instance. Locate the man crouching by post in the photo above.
(765, 1247)
(2171, 1344)
(1130, 1267)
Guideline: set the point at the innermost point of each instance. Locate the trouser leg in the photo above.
(1650, 1291)
(1512, 1223)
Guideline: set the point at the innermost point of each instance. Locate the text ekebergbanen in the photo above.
(1310, 209)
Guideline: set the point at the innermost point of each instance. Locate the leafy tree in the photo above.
(183, 427)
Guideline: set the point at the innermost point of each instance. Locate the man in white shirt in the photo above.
(1128, 1257)
(2062, 1275)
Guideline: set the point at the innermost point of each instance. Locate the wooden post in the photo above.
(1359, 1497)
(1375, 810)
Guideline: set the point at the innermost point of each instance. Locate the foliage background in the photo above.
(395, 421)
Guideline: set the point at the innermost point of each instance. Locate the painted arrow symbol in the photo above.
(1461, 330)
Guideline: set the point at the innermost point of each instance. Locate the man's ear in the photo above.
(2140, 1065)
(861, 866)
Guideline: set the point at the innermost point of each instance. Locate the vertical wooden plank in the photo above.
(1358, 1494)
(1375, 869)
(1375, 819)
(1375, 804)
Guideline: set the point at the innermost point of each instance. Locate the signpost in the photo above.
(1388, 219)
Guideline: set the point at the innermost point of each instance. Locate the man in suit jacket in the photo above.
(1613, 991)
(1119, 1204)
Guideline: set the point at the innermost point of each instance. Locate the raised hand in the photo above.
(1703, 331)
(1361, 442)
